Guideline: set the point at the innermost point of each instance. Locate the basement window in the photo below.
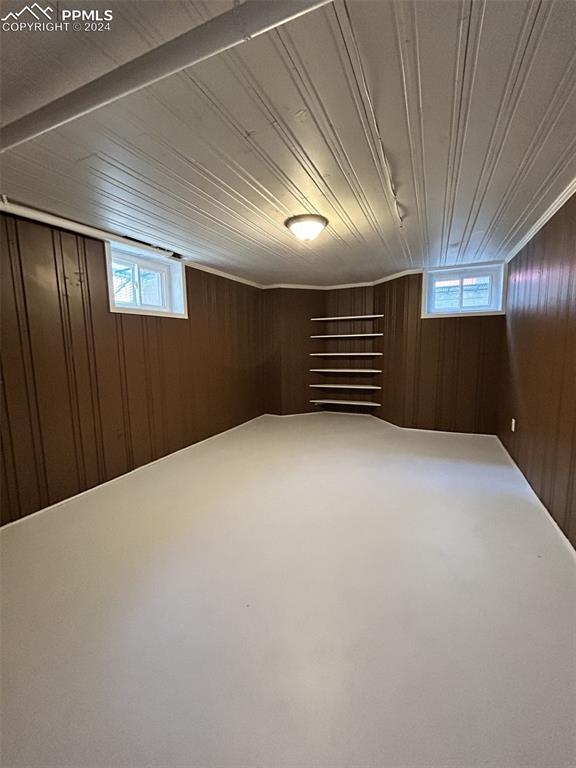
(477, 290)
(144, 283)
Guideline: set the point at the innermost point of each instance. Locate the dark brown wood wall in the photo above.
(540, 377)
(89, 395)
(437, 373)
(289, 344)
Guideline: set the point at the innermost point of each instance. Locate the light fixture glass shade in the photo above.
(307, 226)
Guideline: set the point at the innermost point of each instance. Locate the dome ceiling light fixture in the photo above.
(306, 226)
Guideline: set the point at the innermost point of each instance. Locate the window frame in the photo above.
(497, 271)
(173, 270)
(142, 264)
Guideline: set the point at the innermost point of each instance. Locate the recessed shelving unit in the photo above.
(347, 336)
(368, 337)
(345, 386)
(366, 403)
(345, 317)
(345, 370)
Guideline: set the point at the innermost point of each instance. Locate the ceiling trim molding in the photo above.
(562, 198)
(369, 284)
(297, 286)
(220, 273)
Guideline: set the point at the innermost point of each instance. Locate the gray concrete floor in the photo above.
(317, 591)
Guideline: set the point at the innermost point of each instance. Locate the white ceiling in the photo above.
(474, 104)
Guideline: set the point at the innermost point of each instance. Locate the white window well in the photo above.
(467, 290)
(141, 282)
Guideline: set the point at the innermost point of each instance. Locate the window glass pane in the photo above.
(476, 291)
(446, 295)
(144, 284)
(151, 288)
(124, 283)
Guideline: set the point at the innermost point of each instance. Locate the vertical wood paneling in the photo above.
(26, 485)
(88, 394)
(290, 347)
(82, 382)
(539, 388)
(389, 301)
(438, 373)
(46, 310)
(112, 424)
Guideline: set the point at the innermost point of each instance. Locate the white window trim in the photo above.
(143, 258)
(479, 268)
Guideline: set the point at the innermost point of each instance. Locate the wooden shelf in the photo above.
(347, 336)
(350, 371)
(345, 317)
(345, 386)
(345, 354)
(366, 403)
(345, 370)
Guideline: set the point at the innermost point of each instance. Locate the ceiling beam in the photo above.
(242, 23)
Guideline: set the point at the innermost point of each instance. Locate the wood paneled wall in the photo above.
(440, 373)
(289, 344)
(437, 373)
(540, 379)
(89, 395)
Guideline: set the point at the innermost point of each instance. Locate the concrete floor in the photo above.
(318, 591)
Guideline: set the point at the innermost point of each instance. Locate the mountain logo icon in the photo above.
(39, 13)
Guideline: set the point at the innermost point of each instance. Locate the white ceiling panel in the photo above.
(38, 67)
(426, 132)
